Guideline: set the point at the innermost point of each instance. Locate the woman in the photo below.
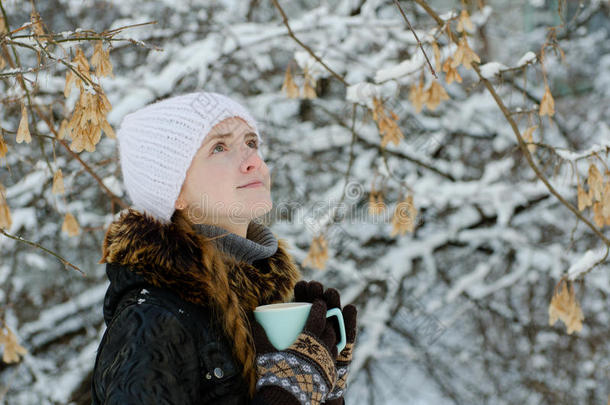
(188, 263)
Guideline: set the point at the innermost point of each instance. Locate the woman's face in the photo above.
(213, 191)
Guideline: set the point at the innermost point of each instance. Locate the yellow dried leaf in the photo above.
(606, 201)
(584, 199)
(104, 104)
(108, 129)
(23, 133)
(5, 216)
(388, 125)
(88, 120)
(58, 183)
(529, 138)
(2, 62)
(289, 86)
(3, 28)
(598, 215)
(403, 220)
(566, 308)
(464, 23)
(376, 204)
(5, 212)
(70, 226)
(12, 349)
(436, 94)
(318, 253)
(63, 128)
(464, 55)
(70, 80)
(3, 147)
(451, 72)
(86, 138)
(309, 91)
(437, 56)
(90, 111)
(547, 105)
(101, 60)
(595, 183)
(98, 53)
(37, 26)
(81, 61)
(417, 96)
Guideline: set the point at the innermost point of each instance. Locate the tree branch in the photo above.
(61, 259)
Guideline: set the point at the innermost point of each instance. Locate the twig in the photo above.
(61, 259)
(416, 37)
(131, 26)
(308, 49)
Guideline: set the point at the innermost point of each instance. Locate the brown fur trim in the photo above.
(176, 257)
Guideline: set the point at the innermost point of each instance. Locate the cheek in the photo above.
(196, 182)
(211, 181)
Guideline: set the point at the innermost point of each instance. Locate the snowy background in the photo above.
(455, 312)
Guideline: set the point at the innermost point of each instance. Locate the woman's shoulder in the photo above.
(151, 301)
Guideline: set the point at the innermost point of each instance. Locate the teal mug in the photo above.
(284, 322)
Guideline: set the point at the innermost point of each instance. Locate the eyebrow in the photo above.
(215, 137)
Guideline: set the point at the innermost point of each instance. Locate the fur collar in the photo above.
(176, 257)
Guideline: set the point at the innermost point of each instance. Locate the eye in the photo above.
(255, 142)
(217, 145)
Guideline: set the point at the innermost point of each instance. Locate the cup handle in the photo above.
(337, 312)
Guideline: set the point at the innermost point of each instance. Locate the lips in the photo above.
(252, 183)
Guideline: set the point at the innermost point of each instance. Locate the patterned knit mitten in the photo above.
(345, 357)
(302, 374)
(309, 291)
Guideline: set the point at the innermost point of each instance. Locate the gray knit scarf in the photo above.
(259, 243)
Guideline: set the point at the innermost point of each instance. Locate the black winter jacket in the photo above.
(176, 312)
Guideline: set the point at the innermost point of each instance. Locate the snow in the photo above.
(491, 69)
(528, 57)
(23, 218)
(600, 148)
(54, 315)
(448, 15)
(114, 185)
(404, 68)
(362, 93)
(586, 262)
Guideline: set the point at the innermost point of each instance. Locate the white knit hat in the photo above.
(158, 142)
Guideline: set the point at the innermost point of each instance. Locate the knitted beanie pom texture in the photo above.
(158, 142)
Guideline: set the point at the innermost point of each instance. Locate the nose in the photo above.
(251, 160)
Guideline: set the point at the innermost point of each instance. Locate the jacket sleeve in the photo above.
(148, 357)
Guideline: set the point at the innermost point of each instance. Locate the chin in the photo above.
(260, 208)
